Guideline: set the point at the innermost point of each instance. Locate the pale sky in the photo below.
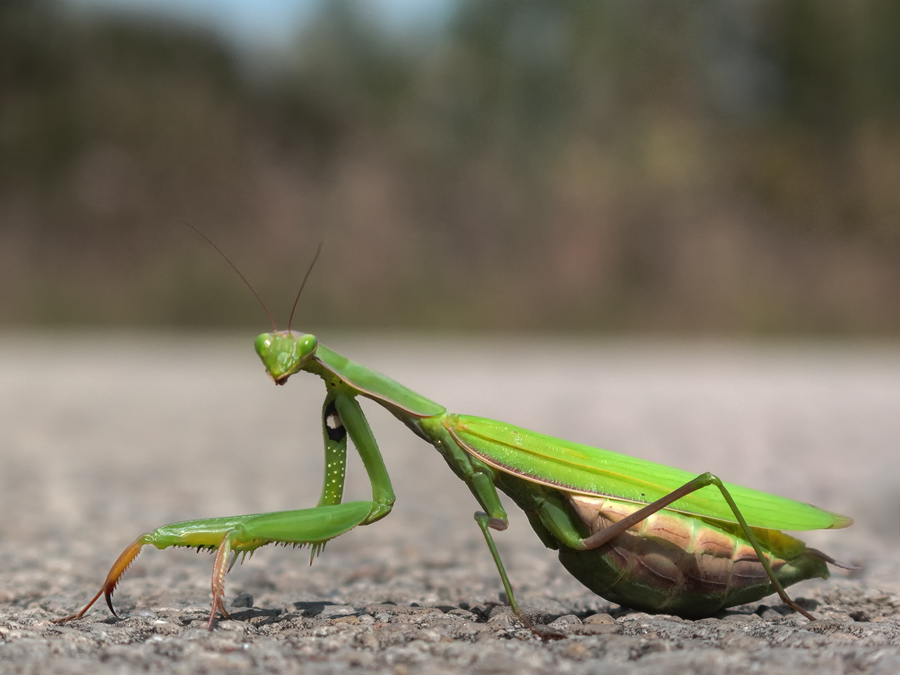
(270, 24)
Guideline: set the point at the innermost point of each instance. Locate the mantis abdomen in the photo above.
(680, 564)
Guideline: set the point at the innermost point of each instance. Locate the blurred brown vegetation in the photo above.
(540, 164)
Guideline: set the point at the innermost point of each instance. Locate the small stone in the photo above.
(336, 610)
(459, 612)
(564, 621)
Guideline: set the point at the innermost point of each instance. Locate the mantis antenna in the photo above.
(243, 278)
(303, 283)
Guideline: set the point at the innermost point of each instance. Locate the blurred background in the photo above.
(552, 165)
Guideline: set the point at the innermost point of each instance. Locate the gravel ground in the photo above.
(103, 438)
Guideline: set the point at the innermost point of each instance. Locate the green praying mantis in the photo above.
(635, 532)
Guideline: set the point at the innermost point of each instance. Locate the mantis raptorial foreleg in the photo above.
(313, 527)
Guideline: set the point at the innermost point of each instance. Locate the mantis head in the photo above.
(284, 353)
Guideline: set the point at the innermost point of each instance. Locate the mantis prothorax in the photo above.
(635, 532)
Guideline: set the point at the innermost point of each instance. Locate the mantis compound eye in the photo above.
(306, 346)
(263, 344)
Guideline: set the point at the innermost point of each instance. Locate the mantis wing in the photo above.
(586, 470)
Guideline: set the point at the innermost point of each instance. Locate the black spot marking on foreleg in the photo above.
(334, 427)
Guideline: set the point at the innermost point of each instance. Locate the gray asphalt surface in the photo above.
(104, 438)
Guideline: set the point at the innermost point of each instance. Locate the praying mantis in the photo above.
(635, 532)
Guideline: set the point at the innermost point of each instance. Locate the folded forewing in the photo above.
(586, 470)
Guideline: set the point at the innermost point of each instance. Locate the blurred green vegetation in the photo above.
(537, 164)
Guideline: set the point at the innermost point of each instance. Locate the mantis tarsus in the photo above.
(638, 533)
